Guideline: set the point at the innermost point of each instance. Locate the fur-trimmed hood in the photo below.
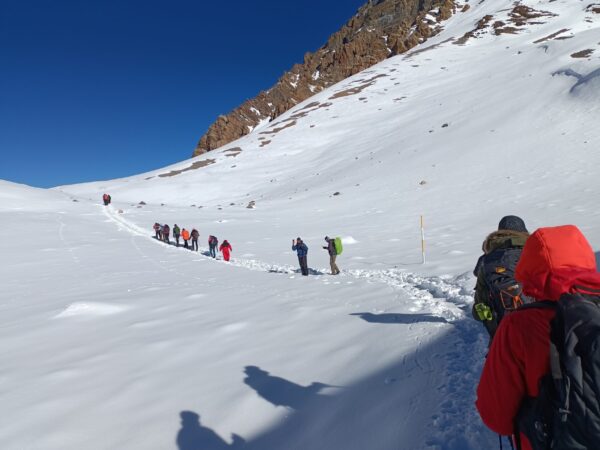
(504, 239)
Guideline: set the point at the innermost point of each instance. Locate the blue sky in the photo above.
(102, 89)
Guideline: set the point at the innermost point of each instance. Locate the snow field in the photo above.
(134, 332)
(108, 335)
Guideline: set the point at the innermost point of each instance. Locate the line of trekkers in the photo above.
(163, 233)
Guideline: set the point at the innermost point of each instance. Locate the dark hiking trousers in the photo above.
(158, 236)
(185, 244)
(303, 265)
(195, 244)
(213, 250)
(177, 239)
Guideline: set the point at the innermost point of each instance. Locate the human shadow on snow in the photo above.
(173, 243)
(398, 318)
(194, 436)
(281, 392)
(294, 271)
(423, 399)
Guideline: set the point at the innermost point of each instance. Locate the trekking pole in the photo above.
(422, 240)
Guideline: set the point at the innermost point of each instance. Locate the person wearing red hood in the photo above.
(226, 249)
(555, 261)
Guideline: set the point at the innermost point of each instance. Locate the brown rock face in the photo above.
(380, 29)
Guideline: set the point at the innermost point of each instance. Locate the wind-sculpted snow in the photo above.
(582, 80)
(91, 309)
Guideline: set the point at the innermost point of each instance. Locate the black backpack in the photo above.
(504, 293)
(566, 413)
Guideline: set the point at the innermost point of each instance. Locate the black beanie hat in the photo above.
(513, 223)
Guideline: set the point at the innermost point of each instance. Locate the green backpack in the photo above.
(338, 246)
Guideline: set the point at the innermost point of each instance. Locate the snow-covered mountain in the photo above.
(114, 340)
(378, 30)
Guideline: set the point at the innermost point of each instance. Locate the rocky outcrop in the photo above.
(380, 29)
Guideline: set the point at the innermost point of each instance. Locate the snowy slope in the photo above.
(117, 334)
(518, 140)
(108, 336)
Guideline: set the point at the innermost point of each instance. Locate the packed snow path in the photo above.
(435, 300)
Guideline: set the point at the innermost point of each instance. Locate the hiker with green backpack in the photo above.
(334, 248)
(176, 234)
(497, 293)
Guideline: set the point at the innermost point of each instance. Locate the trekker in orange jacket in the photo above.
(185, 235)
(554, 261)
(226, 249)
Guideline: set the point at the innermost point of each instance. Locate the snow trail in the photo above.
(250, 264)
(420, 287)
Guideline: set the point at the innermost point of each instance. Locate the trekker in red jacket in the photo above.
(554, 261)
(226, 249)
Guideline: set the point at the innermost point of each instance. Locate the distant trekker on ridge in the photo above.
(176, 234)
(195, 236)
(185, 235)
(226, 249)
(213, 243)
(334, 247)
(166, 230)
(302, 250)
(497, 292)
(106, 199)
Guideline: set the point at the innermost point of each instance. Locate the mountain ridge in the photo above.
(380, 29)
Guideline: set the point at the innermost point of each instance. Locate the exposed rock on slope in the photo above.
(380, 29)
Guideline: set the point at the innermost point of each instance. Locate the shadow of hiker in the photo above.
(289, 271)
(281, 392)
(424, 398)
(193, 436)
(397, 318)
(282, 270)
(173, 243)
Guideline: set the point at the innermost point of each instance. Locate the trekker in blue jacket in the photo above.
(300, 247)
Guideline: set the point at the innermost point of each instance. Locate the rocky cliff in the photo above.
(380, 29)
